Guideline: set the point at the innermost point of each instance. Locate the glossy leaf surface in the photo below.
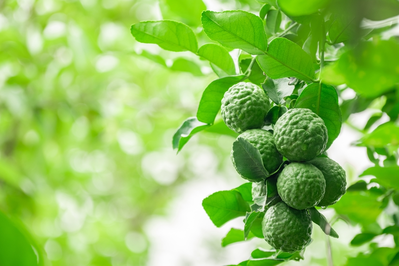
(236, 29)
(169, 35)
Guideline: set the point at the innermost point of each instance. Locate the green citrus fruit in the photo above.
(287, 229)
(244, 106)
(264, 142)
(300, 135)
(301, 185)
(335, 180)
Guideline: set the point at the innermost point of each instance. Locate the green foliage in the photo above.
(169, 35)
(300, 8)
(321, 221)
(210, 103)
(17, 247)
(286, 59)
(189, 11)
(184, 65)
(236, 29)
(278, 89)
(234, 236)
(224, 206)
(360, 207)
(302, 50)
(386, 176)
(189, 127)
(385, 134)
(323, 100)
(218, 56)
(371, 69)
(85, 111)
(248, 161)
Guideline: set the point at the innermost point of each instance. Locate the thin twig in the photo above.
(284, 32)
(330, 261)
(249, 69)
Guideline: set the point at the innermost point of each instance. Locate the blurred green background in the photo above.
(86, 121)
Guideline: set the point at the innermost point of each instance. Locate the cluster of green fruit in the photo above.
(306, 180)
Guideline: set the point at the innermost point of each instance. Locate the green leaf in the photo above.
(359, 206)
(278, 89)
(189, 127)
(249, 220)
(263, 11)
(343, 28)
(323, 100)
(218, 56)
(236, 29)
(248, 161)
(386, 176)
(273, 21)
(187, 11)
(246, 191)
(259, 193)
(224, 206)
(169, 35)
(301, 8)
(260, 253)
(331, 74)
(184, 65)
(373, 118)
(153, 57)
(378, 257)
(362, 238)
(371, 69)
(220, 127)
(211, 99)
(384, 10)
(274, 114)
(286, 59)
(16, 246)
(256, 227)
(264, 262)
(234, 236)
(321, 221)
(383, 135)
(360, 185)
(257, 77)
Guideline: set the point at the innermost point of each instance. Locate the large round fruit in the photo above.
(300, 135)
(287, 229)
(335, 180)
(244, 106)
(301, 185)
(264, 142)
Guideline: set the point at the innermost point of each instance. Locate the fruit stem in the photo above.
(322, 45)
(330, 261)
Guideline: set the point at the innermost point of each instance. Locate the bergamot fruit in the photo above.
(264, 142)
(287, 229)
(301, 185)
(335, 180)
(244, 106)
(300, 135)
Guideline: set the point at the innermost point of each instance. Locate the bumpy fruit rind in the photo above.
(300, 135)
(301, 185)
(244, 106)
(335, 178)
(264, 142)
(287, 229)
